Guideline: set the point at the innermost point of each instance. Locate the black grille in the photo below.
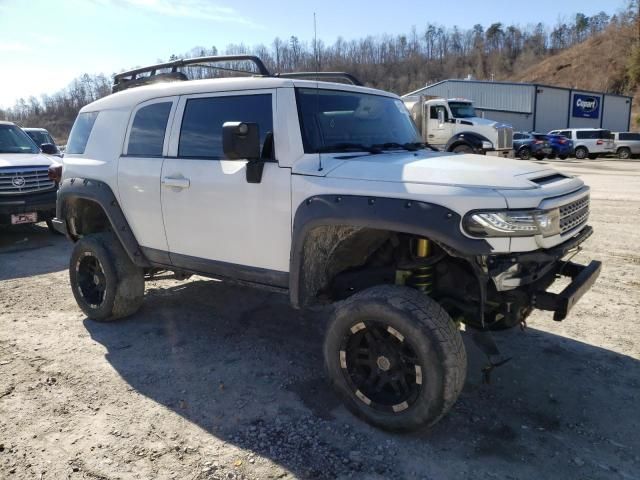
(17, 180)
(574, 214)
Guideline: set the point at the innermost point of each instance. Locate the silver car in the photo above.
(588, 142)
(627, 144)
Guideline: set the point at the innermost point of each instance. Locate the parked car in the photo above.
(531, 144)
(561, 146)
(326, 193)
(627, 144)
(27, 193)
(42, 137)
(588, 142)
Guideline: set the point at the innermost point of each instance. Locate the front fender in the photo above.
(473, 139)
(389, 214)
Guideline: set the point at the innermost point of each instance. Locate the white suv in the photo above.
(588, 142)
(323, 192)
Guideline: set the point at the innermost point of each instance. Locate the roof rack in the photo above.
(318, 75)
(129, 79)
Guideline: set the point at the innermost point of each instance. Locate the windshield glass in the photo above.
(462, 109)
(14, 140)
(338, 121)
(40, 137)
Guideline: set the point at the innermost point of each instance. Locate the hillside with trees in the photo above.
(403, 63)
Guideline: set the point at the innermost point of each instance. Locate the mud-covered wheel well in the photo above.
(85, 216)
(333, 249)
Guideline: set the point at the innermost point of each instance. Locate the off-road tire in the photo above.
(121, 282)
(463, 149)
(524, 153)
(539, 157)
(552, 156)
(581, 153)
(624, 153)
(427, 330)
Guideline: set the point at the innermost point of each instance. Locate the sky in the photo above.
(44, 44)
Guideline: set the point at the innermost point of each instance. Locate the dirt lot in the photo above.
(211, 381)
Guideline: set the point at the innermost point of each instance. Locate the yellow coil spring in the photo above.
(422, 278)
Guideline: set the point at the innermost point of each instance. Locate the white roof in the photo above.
(34, 129)
(3, 122)
(136, 95)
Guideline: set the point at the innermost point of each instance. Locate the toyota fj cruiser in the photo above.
(322, 191)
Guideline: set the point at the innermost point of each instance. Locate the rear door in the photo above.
(139, 169)
(216, 222)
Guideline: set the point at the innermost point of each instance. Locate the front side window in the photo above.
(566, 133)
(462, 109)
(201, 132)
(80, 132)
(148, 129)
(14, 140)
(336, 121)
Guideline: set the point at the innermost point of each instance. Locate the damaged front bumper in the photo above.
(525, 277)
(583, 277)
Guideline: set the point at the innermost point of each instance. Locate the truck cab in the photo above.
(453, 125)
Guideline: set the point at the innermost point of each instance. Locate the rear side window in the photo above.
(148, 129)
(629, 136)
(80, 132)
(201, 132)
(593, 134)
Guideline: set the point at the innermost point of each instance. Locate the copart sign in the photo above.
(586, 106)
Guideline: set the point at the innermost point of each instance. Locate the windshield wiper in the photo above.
(349, 147)
(404, 146)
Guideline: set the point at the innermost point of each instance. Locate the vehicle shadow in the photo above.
(17, 259)
(244, 366)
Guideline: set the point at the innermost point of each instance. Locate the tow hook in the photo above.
(487, 345)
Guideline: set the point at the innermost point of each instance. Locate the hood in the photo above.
(464, 170)
(25, 160)
(481, 122)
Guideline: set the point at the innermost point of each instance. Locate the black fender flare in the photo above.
(398, 215)
(99, 192)
(473, 139)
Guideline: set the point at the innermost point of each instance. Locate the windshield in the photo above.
(462, 109)
(40, 137)
(14, 140)
(338, 121)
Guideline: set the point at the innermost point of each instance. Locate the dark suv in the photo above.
(529, 144)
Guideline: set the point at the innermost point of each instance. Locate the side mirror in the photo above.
(440, 116)
(241, 140)
(49, 149)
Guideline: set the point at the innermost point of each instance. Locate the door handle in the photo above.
(176, 182)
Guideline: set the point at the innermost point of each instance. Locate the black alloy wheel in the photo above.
(92, 282)
(381, 366)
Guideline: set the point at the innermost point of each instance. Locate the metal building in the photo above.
(540, 108)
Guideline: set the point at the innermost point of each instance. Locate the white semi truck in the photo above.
(452, 125)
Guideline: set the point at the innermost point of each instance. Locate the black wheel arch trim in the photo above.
(473, 139)
(99, 192)
(398, 215)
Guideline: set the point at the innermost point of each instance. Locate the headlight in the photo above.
(513, 223)
(487, 145)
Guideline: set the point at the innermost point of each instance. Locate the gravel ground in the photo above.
(212, 381)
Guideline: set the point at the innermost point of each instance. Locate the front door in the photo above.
(215, 221)
(438, 126)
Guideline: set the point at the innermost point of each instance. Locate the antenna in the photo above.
(315, 50)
